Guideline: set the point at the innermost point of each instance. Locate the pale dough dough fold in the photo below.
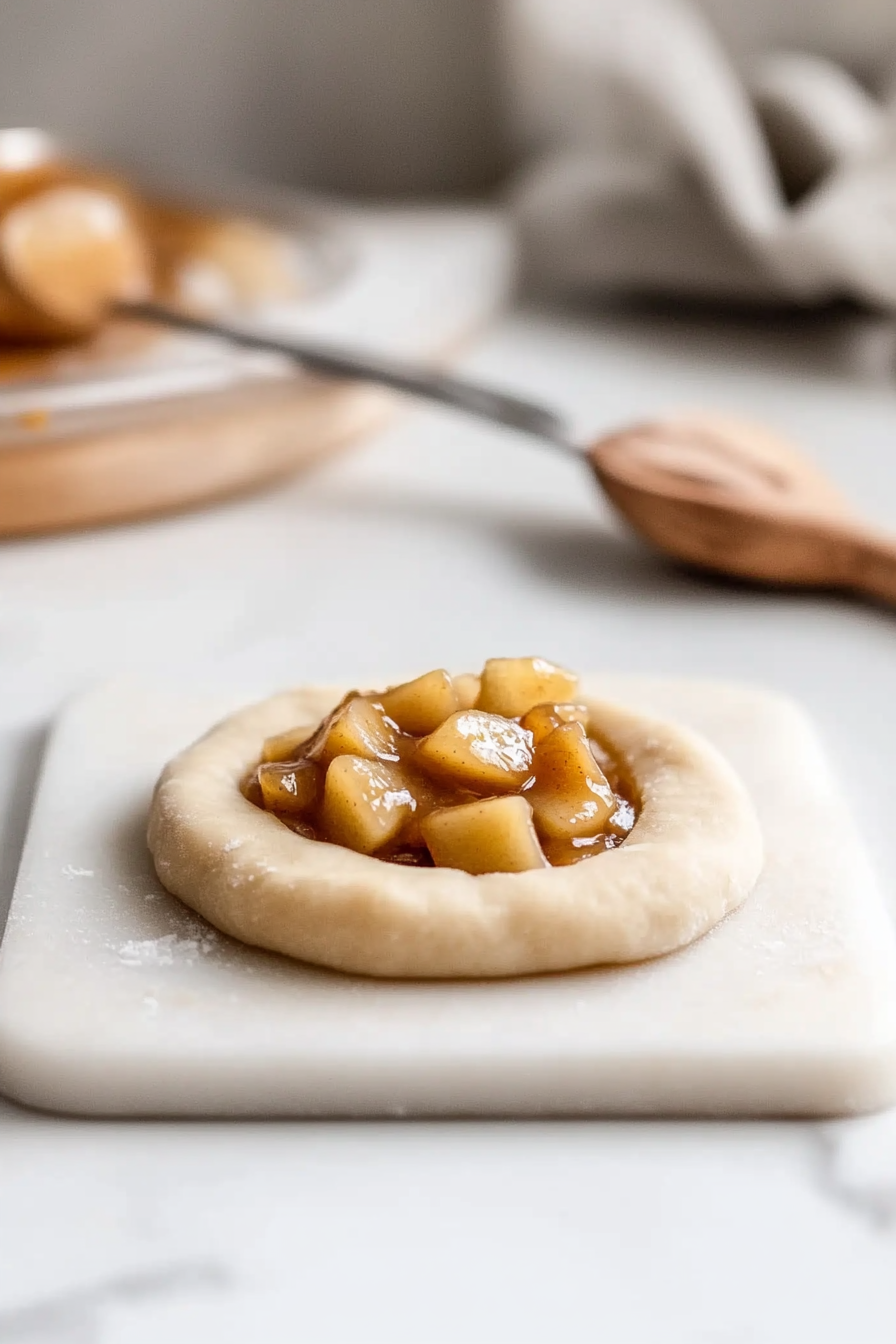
(694, 855)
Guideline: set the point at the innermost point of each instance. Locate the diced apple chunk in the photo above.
(291, 787)
(419, 706)
(513, 686)
(571, 795)
(356, 728)
(491, 835)
(286, 746)
(365, 803)
(482, 752)
(543, 719)
(466, 687)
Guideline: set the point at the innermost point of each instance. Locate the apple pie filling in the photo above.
(498, 773)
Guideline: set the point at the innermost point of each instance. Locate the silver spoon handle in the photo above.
(497, 407)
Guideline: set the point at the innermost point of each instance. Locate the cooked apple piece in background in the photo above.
(571, 795)
(466, 688)
(365, 804)
(356, 728)
(543, 719)
(293, 786)
(491, 835)
(419, 706)
(513, 686)
(482, 752)
(71, 251)
(210, 263)
(286, 746)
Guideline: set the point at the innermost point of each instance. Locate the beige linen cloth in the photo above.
(773, 184)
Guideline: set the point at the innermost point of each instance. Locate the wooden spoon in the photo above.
(727, 496)
(733, 498)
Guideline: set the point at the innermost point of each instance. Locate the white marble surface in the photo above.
(115, 1000)
(442, 541)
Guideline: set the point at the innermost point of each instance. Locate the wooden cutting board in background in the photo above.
(141, 427)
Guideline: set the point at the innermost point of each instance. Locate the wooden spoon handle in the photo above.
(874, 567)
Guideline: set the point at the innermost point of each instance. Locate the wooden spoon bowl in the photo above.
(733, 498)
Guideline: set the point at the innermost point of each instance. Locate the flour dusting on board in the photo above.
(170, 949)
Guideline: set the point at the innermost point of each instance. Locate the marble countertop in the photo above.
(442, 541)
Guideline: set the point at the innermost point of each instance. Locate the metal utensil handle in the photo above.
(483, 402)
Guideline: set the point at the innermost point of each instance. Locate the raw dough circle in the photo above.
(694, 855)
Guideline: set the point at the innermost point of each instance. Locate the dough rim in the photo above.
(694, 855)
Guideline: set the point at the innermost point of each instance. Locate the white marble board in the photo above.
(114, 999)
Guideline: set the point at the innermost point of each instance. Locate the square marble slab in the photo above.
(116, 1000)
